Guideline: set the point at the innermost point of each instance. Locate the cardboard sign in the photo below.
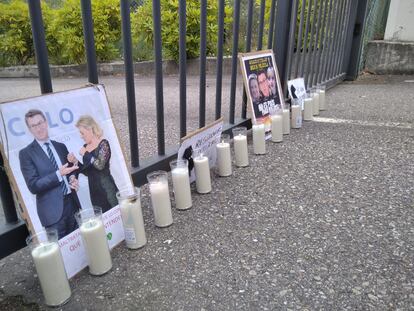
(205, 139)
(262, 84)
(297, 90)
(33, 172)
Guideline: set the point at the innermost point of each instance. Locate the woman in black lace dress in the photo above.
(96, 153)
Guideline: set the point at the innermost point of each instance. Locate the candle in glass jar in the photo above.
(286, 121)
(181, 184)
(240, 150)
(315, 103)
(322, 99)
(259, 140)
(224, 157)
(296, 120)
(308, 109)
(131, 213)
(96, 246)
(51, 272)
(202, 171)
(277, 128)
(160, 198)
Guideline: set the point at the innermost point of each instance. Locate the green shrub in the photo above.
(67, 31)
(142, 26)
(16, 43)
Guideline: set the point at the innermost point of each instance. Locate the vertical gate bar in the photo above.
(271, 24)
(203, 40)
(6, 196)
(248, 47)
(129, 81)
(320, 78)
(39, 42)
(236, 21)
(182, 67)
(305, 40)
(332, 21)
(89, 41)
(291, 42)
(321, 21)
(299, 41)
(159, 97)
(219, 72)
(310, 47)
(337, 40)
(358, 15)
(343, 39)
(317, 24)
(339, 36)
(335, 17)
(261, 24)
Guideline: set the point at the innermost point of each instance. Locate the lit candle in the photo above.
(259, 140)
(202, 172)
(181, 184)
(131, 213)
(50, 268)
(286, 121)
(315, 110)
(296, 120)
(322, 100)
(240, 146)
(308, 109)
(224, 156)
(277, 127)
(160, 198)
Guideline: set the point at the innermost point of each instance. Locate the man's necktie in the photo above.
(53, 160)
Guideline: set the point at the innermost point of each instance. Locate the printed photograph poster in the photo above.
(297, 90)
(262, 84)
(204, 139)
(62, 154)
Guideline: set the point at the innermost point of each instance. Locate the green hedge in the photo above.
(64, 31)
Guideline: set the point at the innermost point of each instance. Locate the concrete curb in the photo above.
(388, 57)
(116, 68)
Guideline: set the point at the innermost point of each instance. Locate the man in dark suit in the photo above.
(48, 176)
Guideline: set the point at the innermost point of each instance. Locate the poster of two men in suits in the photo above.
(63, 154)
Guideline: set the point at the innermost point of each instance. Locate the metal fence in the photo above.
(314, 39)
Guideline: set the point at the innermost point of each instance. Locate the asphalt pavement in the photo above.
(323, 221)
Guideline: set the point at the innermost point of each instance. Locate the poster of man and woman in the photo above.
(262, 84)
(64, 155)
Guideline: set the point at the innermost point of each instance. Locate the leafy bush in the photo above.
(16, 43)
(142, 26)
(66, 33)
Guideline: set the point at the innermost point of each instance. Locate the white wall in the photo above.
(400, 22)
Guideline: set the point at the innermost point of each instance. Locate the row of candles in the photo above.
(44, 245)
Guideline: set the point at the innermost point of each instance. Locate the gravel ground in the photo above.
(323, 221)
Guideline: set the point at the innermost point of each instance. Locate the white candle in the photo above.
(96, 246)
(322, 102)
(277, 128)
(308, 109)
(240, 150)
(182, 190)
(133, 221)
(315, 103)
(161, 204)
(296, 121)
(286, 121)
(259, 140)
(51, 272)
(202, 171)
(224, 159)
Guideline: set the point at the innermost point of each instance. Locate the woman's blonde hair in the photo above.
(90, 123)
